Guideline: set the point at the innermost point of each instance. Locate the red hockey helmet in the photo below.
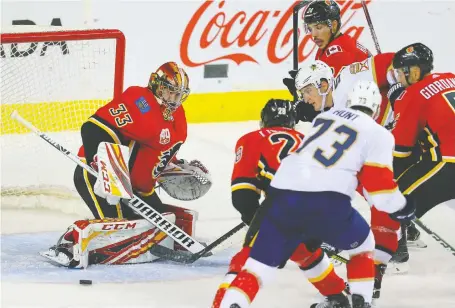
(170, 84)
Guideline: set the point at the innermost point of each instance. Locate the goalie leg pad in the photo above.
(185, 219)
(109, 241)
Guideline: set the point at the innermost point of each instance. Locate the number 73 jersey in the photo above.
(258, 155)
(343, 148)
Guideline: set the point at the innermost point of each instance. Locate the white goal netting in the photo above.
(56, 80)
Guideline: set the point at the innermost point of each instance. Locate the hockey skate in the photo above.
(399, 262)
(359, 302)
(413, 237)
(379, 273)
(334, 301)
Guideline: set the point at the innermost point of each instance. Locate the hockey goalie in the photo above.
(132, 144)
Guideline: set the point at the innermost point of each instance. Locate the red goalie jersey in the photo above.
(136, 120)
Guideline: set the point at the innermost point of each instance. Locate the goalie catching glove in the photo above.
(113, 182)
(185, 181)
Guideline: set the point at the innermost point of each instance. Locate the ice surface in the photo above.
(29, 281)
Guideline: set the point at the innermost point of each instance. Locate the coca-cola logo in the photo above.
(243, 31)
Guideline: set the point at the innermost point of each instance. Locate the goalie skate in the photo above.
(60, 255)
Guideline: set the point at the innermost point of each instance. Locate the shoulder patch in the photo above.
(333, 49)
(358, 67)
(238, 154)
(142, 104)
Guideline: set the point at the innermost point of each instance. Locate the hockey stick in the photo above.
(436, 237)
(185, 257)
(136, 204)
(370, 25)
(295, 33)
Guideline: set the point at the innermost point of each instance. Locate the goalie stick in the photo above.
(136, 204)
(185, 257)
(295, 33)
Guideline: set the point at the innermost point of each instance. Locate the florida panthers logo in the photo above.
(164, 159)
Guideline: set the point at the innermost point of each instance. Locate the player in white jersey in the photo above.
(315, 85)
(310, 198)
(372, 69)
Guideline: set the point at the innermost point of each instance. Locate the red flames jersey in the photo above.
(258, 155)
(342, 51)
(136, 120)
(425, 113)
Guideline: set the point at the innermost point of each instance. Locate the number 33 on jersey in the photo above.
(258, 155)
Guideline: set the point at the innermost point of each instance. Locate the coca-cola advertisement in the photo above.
(257, 36)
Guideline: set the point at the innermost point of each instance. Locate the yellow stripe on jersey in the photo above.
(385, 191)
(448, 159)
(107, 129)
(401, 154)
(263, 172)
(386, 113)
(250, 186)
(147, 194)
(92, 194)
(323, 275)
(434, 155)
(378, 165)
(424, 178)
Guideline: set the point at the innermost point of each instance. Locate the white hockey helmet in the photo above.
(312, 73)
(365, 94)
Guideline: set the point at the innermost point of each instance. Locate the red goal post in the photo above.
(56, 79)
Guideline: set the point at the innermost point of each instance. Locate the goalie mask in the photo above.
(170, 84)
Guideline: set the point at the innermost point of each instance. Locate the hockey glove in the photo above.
(290, 83)
(183, 180)
(407, 213)
(305, 112)
(395, 92)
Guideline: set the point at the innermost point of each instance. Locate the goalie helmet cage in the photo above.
(56, 79)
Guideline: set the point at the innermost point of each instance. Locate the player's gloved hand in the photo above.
(407, 213)
(305, 112)
(290, 83)
(394, 92)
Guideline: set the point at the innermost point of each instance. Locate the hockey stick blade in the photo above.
(188, 258)
(436, 237)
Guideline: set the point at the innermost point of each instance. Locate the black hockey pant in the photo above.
(429, 183)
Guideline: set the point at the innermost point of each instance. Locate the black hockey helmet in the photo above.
(416, 54)
(278, 112)
(322, 11)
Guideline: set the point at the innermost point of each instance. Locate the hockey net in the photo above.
(56, 79)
